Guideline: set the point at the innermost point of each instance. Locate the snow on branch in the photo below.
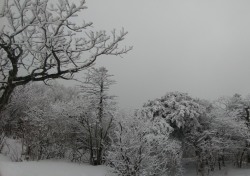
(40, 40)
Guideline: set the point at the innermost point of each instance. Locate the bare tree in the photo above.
(40, 41)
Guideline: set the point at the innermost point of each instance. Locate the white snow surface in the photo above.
(63, 168)
(190, 170)
(49, 168)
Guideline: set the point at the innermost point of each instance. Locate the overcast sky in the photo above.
(201, 47)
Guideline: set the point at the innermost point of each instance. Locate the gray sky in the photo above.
(197, 46)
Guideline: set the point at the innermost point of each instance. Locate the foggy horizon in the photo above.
(196, 47)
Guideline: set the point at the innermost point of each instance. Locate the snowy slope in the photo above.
(48, 168)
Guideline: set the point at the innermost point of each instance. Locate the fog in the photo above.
(198, 47)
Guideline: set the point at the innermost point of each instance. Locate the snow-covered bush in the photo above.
(58, 122)
(40, 116)
(142, 147)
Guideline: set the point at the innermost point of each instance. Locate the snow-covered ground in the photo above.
(62, 168)
(223, 172)
(13, 150)
(49, 168)
(229, 171)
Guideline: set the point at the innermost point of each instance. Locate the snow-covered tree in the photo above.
(98, 119)
(42, 122)
(141, 146)
(179, 110)
(189, 118)
(40, 40)
(232, 126)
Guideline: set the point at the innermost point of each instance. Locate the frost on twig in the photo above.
(40, 41)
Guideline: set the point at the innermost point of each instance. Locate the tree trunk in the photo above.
(200, 167)
(6, 96)
(223, 159)
(91, 157)
(8, 90)
(241, 158)
(248, 155)
(219, 164)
